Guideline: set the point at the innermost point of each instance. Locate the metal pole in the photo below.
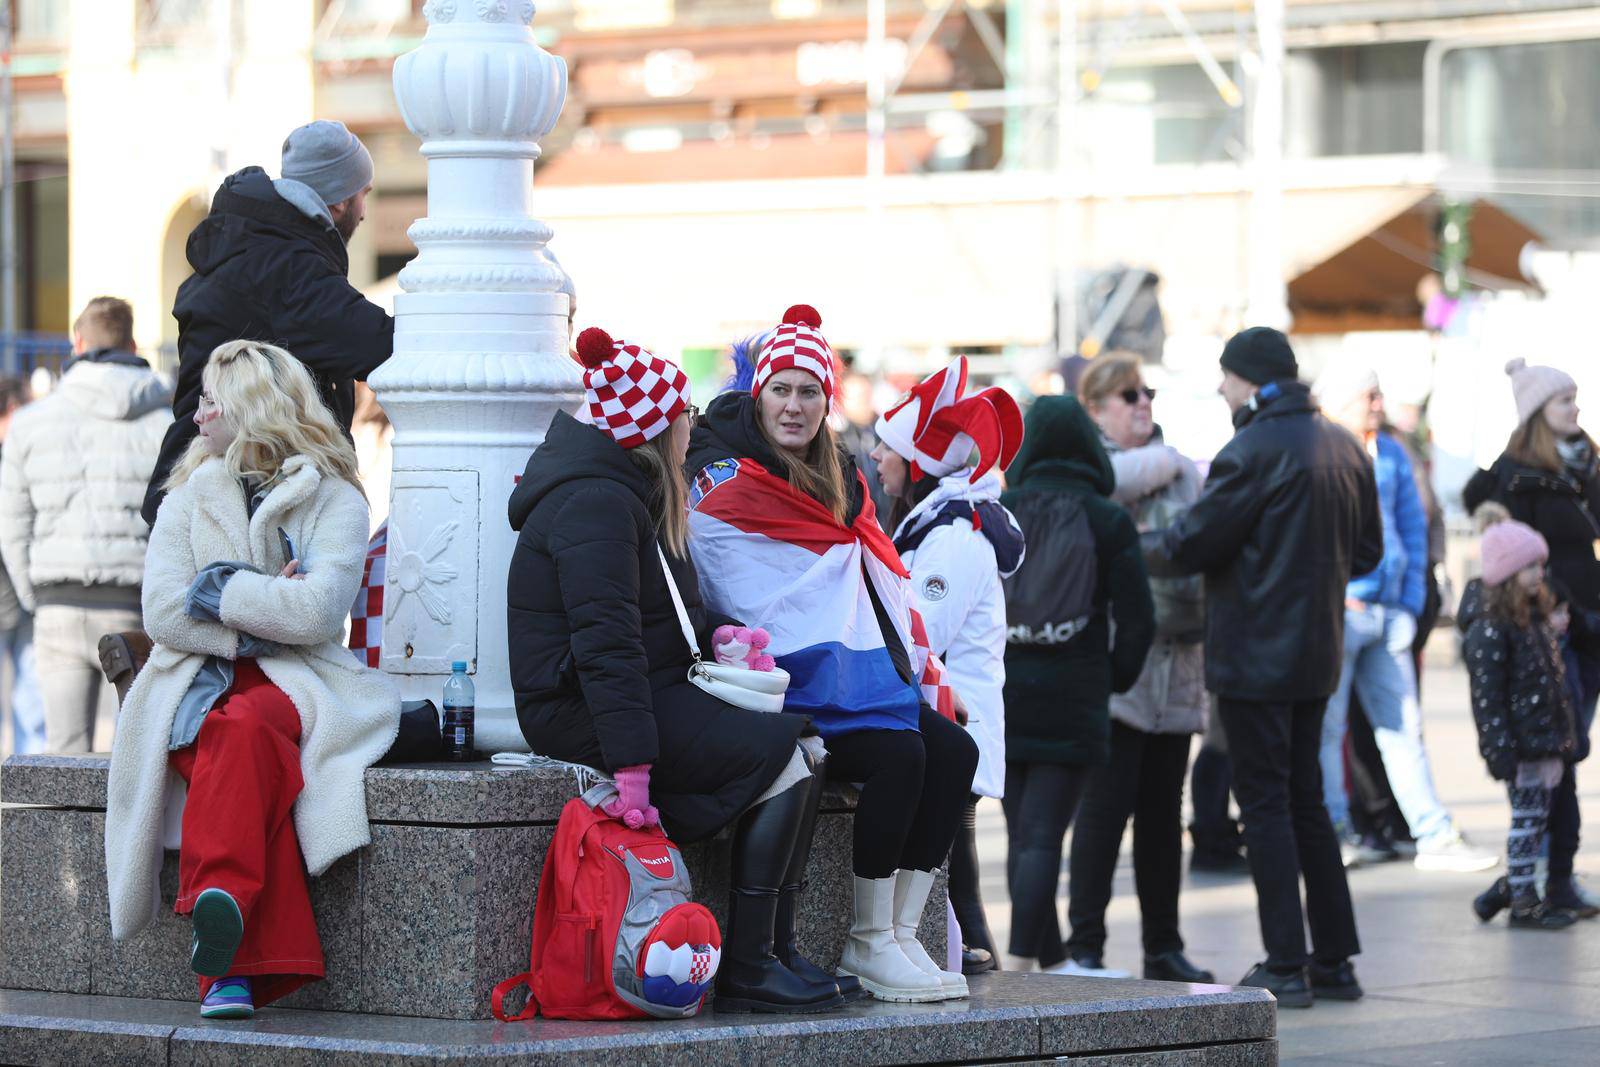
(1268, 300)
(8, 201)
(1066, 181)
(877, 130)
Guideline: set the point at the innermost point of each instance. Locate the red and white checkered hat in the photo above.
(633, 395)
(797, 343)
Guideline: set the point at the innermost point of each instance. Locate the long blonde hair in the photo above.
(669, 498)
(818, 473)
(269, 399)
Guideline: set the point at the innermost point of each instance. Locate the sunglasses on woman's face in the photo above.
(1131, 397)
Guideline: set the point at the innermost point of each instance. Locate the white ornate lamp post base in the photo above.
(480, 363)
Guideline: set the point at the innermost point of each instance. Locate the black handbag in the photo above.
(419, 740)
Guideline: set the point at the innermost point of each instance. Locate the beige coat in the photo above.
(348, 714)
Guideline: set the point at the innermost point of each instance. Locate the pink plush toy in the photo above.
(740, 646)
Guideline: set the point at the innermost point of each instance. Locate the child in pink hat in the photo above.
(1523, 709)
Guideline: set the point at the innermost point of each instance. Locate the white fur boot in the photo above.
(872, 953)
(911, 889)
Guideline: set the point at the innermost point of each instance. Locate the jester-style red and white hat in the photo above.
(937, 426)
(797, 343)
(632, 394)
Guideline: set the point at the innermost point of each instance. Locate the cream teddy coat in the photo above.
(349, 715)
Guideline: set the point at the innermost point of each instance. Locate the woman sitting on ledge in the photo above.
(248, 695)
(787, 539)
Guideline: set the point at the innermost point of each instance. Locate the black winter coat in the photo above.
(1564, 506)
(263, 271)
(1057, 696)
(1288, 516)
(599, 664)
(1520, 699)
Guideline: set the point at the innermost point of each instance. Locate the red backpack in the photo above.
(615, 933)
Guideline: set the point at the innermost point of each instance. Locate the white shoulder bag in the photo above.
(739, 686)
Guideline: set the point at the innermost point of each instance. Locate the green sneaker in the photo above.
(218, 928)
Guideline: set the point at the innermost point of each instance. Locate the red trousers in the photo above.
(238, 832)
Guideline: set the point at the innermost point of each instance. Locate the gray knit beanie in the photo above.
(328, 158)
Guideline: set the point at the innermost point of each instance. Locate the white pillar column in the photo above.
(480, 363)
(1267, 302)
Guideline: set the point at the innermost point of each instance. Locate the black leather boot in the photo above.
(1492, 901)
(786, 943)
(749, 976)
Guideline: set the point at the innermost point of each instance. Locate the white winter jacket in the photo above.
(348, 714)
(963, 606)
(73, 476)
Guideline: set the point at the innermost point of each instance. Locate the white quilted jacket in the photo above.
(73, 476)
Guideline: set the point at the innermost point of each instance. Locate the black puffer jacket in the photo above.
(1520, 700)
(1288, 516)
(264, 271)
(599, 663)
(1562, 505)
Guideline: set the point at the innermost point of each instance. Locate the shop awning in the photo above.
(1372, 282)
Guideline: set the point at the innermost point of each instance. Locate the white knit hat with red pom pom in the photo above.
(633, 395)
(796, 344)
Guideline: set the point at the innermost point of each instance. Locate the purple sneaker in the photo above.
(228, 998)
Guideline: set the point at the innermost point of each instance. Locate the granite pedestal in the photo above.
(1010, 1018)
(423, 922)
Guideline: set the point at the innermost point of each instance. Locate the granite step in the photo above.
(422, 922)
(1010, 1018)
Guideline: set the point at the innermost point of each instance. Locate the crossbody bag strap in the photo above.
(677, 603)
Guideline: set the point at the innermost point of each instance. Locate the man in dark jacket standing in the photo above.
(1288, 516)
(270, 264)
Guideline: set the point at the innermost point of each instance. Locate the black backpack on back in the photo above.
(1051, 597)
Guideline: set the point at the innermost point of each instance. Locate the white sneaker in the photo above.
(911, 889)
(1585, 894)
(872, 954)
(1086, 968)
(1451, 852)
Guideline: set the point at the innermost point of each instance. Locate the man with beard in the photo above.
(270, 264)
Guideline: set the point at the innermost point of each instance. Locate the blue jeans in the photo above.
(27, 702)
(1379, 667)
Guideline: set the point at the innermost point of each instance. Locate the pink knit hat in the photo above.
(1534, 387)
(1509, 546)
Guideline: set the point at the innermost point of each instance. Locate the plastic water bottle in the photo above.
(458, 714)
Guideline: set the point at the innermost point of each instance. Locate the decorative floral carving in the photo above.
(417, 573)
(436, 11)
(493, 10)
(527, 10)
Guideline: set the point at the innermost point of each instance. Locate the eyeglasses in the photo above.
(693, 412)
(1131, 396)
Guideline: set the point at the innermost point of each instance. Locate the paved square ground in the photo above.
(1441, 987)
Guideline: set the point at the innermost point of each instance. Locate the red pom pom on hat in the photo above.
(803, 314)
(595, 347)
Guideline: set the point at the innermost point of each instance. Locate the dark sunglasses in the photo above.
(1131, 396)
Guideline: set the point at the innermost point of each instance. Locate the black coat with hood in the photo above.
(1288, 516)
(265, 271)
(1562, 505)
(1057, 695)
(599, 663)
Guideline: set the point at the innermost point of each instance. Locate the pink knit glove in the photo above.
(739, 646)
(632, 802)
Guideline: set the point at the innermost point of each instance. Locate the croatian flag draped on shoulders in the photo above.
(772, 556)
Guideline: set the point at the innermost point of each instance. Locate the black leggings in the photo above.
(913, 786)
(966, 897)
(1040, 801)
